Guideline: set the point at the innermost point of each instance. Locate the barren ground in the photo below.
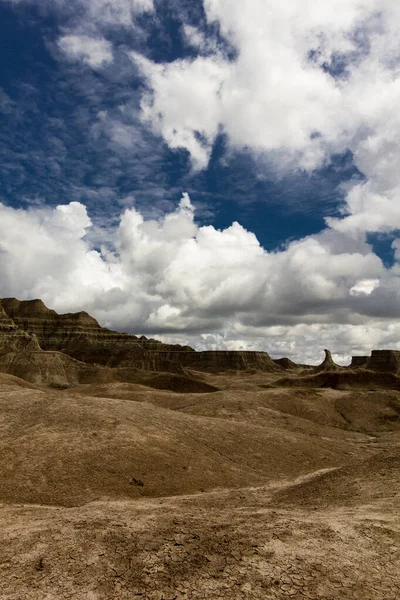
(119, 491)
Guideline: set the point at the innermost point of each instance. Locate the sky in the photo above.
(208, 172)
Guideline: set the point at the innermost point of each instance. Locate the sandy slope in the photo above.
(117, 490)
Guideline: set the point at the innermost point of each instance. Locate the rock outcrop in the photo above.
(12, 338)
(328, 364)
(384, 360)
(285, 363)
(214, 361)
(81, 337)
(358, 362)
(7, 325)
(45, 348)
(74, 333)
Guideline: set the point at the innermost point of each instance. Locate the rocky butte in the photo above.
(45, 347)
(130, 468)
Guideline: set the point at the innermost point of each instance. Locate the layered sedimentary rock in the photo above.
(81, 337)
(42, 368)
(45, 348)
(12, 338)
(215, 361)
(359, 362)
(74, 333)
(384, 360)
(328, 364)
(6, 324)
(18, 341)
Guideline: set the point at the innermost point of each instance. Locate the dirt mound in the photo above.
(164, 381)
(66, 449)
(362, 411)
(53, 369)
(370, 411)
(285, 363)
(371, 480)
(9, 381)
(344, 380)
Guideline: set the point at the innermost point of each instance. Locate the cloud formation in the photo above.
(95, 12)
(309, 80)
(93, 51)
(301, 82)
(171, 277)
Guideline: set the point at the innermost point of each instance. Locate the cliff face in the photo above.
(77, 334)
(46, 348)
(384, 360)
(218, 360)
(359, 361)
(14, 339)
(81, 337)
(6, 324)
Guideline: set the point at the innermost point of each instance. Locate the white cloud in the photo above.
(186, 108)
(271, 97)
(171, 277)
(95, 52)
(278, 98)
(365, 286)
(195, 37)
(116, 12)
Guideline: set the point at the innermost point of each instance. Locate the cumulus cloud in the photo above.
(309, 80)
(185, 110)
(93, 51)
(171, 277)
(273, 95)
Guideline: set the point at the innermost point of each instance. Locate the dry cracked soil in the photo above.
(119, 491)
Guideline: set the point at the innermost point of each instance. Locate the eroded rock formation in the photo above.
(46, 348)
(6, 324)
(286, 363)
(358, 362)
(74, 333)
(328, 364)
(214, 361)
(384, 360)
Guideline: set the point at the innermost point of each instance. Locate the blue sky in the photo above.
(50, 155)
(280, 120)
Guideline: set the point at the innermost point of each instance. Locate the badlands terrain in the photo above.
(131, 469)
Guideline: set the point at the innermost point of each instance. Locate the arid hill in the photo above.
(286, 363)
(132, 470)
(117, 490)
(65, 333)
(79, 336)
